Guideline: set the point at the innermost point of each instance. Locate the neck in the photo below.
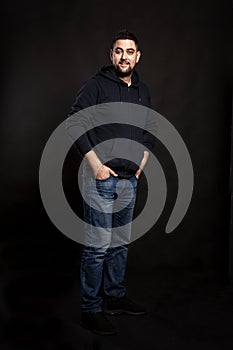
(127, 80)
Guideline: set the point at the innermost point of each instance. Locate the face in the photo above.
(124, 57)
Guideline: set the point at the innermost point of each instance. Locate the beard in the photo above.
(123, 74)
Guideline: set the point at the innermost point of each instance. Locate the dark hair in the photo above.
(125, 34)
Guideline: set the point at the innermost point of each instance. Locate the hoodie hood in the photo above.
(108, 73)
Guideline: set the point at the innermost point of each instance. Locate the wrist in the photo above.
(98, 167)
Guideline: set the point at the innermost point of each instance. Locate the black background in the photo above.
(48, 51)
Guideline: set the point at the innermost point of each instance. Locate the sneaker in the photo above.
(123, 306)
(98, 323)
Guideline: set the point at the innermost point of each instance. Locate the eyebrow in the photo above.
(128, 49)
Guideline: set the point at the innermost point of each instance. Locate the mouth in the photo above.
(124, 64)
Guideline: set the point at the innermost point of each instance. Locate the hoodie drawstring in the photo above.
(119, 86)
(139, 95)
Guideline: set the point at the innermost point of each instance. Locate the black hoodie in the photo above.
(106, 87)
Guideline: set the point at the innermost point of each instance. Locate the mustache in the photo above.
(123, 61)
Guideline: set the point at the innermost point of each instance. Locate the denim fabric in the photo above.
(108, 213)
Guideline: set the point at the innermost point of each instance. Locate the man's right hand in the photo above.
(104, 173)
(101, 171)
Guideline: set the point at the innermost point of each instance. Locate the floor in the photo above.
(40, 310)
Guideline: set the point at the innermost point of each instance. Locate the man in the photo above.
(108, 176)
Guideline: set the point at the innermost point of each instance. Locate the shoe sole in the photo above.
(99, 332)
(120, 312)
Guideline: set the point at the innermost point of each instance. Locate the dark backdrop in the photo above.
(49, 50)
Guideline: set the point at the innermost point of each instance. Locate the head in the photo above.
(124, 53)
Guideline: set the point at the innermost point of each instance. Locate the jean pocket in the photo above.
(97, 180)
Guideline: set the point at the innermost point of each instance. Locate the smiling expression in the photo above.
(124, 56)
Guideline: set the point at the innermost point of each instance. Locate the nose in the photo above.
(123, 56)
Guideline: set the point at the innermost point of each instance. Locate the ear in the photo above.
(138, 56)
(110, 54)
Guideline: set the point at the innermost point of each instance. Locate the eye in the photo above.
(118, 51)
(130, 52)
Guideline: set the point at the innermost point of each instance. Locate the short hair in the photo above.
(125, 34)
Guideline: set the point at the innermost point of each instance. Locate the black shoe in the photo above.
(98, 323)
(123, 306)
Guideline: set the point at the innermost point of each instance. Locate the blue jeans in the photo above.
(108, 213)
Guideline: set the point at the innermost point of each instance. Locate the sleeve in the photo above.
(149, 133)
(77, 122)
(150, 126)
